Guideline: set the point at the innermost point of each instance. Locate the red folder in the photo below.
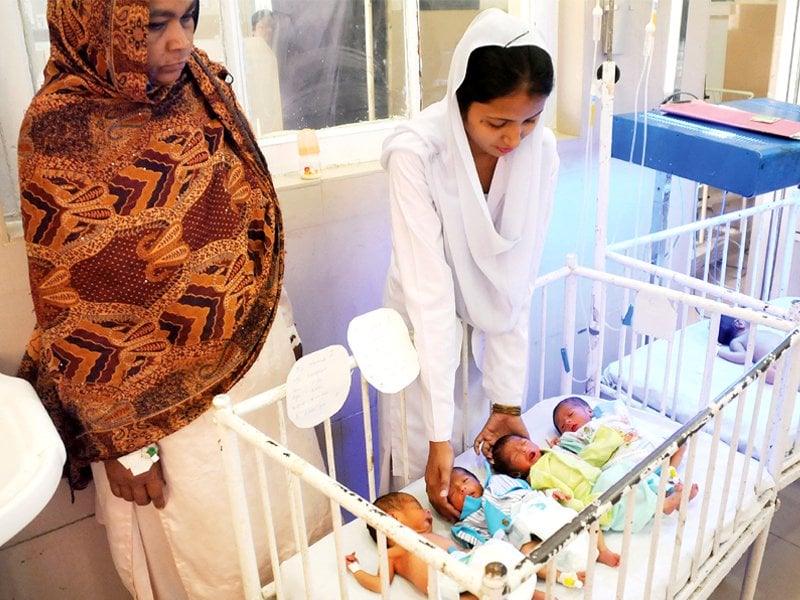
(734, 117)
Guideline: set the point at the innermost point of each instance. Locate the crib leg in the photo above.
(754, 559)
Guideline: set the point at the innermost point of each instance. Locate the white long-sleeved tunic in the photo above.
(461, 255)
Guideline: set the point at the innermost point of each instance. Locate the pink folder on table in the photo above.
(734, 117)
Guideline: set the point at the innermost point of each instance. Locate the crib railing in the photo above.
(708, 565)
(233, 428)
(492, 583)
(776, 445)
(558, 352)
(745, 254)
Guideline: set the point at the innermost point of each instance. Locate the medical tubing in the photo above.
(644, 78)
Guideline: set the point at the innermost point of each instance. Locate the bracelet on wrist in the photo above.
(354, 566)
(141, 460)
(505, 409)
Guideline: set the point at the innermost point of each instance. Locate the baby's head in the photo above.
(571, 414)
(406, 509)
(463, 483)
(729, 328)
(514, 455)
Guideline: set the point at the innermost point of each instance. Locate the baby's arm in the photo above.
(557, 494)
(367, 580)
(736, 350)
(731, 355)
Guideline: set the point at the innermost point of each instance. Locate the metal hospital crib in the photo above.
(737, 466)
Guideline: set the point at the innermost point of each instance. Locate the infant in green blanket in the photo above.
(601, 461)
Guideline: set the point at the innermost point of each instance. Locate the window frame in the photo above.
(340, 145)
(16, 91)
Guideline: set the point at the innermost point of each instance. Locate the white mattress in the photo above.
(647, 387)
(539, 422)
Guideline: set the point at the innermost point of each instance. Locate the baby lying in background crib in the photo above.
(734, 333)
(509, 508)
(407, 509)
(583, 482)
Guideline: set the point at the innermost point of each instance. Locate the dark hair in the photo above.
(257, 16)
(727, 329)
(570, 401)
(495, 71)
(499, 461)
(195, 10)
(388, 502)
(468, 473)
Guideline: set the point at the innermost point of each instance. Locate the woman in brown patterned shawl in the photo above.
(155, 250)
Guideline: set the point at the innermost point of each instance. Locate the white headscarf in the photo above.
(493, 263)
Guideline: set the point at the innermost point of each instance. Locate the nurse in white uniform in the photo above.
(471, 183)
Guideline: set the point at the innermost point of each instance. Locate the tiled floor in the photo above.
(780, 572)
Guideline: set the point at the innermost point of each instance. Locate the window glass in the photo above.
(322, 63)
(311, 63)
(37, 38)
(441, 25)
(316, 63)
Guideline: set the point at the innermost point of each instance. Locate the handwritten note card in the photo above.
(317, 386)
(383, 350)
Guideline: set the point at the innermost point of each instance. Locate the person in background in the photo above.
(471, 183)
(263, 25)
(156, 259)
(262, 81)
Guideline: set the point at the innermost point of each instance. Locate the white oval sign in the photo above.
(383, 350)
(317, 386)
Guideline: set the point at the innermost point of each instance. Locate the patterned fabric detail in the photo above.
(154, 237)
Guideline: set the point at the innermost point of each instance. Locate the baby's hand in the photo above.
(561, 496)
(553, 441)
(352, 562)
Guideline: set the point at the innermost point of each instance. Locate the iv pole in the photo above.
(607, 85)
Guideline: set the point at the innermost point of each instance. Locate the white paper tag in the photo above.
(383, 350)
(654, 315)
(317, 386)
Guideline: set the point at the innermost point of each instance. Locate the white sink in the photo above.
(32, 456)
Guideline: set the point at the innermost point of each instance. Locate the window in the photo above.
(347, 68)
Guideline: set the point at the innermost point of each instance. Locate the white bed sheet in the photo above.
(539, 422)
(647, 387)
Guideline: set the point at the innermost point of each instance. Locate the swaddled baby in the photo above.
(508, 508)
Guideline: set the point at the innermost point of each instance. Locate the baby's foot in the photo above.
(607, 557)
(673, 501)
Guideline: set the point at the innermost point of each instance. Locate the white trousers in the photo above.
(187, 549)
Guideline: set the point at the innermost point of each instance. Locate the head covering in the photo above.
(493, 260)
(154, 237)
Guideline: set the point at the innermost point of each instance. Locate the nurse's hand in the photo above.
(498, 425)
(437, 479)
(142, 489)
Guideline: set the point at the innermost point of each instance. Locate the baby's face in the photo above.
(462, 484)
(571, 417)
(741, 325)
(521, 454)
(415, 517)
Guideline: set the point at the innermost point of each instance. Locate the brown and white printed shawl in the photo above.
(155, 244)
